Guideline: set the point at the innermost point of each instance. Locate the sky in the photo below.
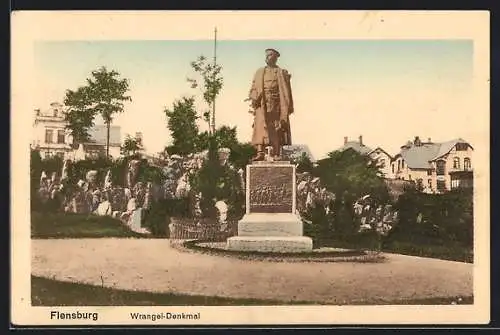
(388, 91)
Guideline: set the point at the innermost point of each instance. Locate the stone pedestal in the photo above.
(271, 223)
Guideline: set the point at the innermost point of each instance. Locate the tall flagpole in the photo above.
(215, 64)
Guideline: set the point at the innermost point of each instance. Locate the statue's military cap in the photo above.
(273, 50)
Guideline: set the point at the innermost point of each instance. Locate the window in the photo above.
(399, 165)
(467, 165)
(60, 154)
(392, 167)
(456, 163)
(402, 163)
(440, 168)
(455, 183)
(382, 163)
(461, 147)
(441, 185)
(420, 184)
(48, 136)
(429, 173)
(409, 177)
(60, 136)
(429, 183)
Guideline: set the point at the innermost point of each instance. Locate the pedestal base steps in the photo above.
(270, 232)
(290, 244)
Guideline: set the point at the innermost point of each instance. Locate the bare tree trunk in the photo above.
(107, 139)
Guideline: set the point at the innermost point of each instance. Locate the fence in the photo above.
(212, 234)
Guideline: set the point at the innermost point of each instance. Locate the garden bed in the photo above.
(218, 248)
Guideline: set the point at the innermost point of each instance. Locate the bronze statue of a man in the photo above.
(271, 99)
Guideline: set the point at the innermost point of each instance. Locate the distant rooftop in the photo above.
(358, 146)
(98, 135)
(55, 110)
(418, 155)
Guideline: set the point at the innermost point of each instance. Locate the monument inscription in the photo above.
(271, 189)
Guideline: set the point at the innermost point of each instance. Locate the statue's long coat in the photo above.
(260, 126)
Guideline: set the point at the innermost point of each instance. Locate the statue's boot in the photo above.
(259, 157)
(277, 156)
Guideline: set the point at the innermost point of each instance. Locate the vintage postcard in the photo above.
(250, 168)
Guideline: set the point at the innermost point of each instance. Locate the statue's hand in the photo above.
(283, 124)
(255, 104)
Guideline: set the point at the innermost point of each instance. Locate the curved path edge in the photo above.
(152, 265)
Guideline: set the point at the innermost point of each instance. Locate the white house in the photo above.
(51, 137)
(435, 167)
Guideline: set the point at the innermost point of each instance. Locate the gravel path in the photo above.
(151, 265)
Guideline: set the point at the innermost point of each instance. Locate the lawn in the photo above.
(48, 292)
(68, 225)
(445, 251)
(449, 251)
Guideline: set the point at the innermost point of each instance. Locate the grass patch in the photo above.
(451, 252)
(49, 292)
(444, 250)
(70, 225)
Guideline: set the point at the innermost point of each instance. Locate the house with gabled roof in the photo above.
(379, 155)
(435, 167)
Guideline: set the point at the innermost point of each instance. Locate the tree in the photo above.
(35, 170)
(349, 173)
(224, 136)
(130, 146)
(79, 115)
(241, 155)
(104, 94)
(182, 125)
(304, 163)
(107, 93)
(210, 74)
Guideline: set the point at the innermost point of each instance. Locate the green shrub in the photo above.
(445, 218)
(69, 225)
(218, 182)
(157, 217)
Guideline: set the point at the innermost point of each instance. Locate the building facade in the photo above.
(50, 135)
(435, 167)
(51, 138)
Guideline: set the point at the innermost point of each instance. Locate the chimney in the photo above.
(138, 137)
(429, 140)
(417, 141)
(360, 139)
(345, 140)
